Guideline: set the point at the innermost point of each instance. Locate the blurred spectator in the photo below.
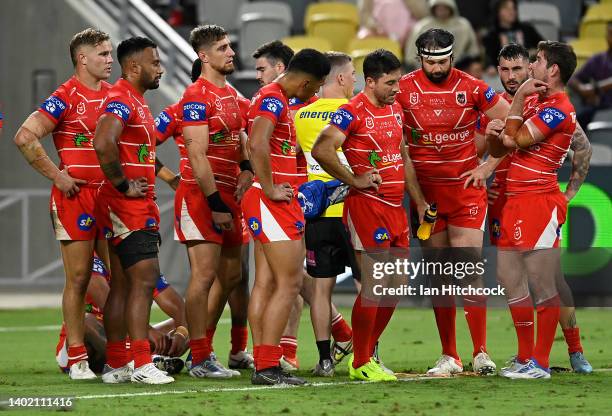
(471, 64)
(593, 82)
(444, 15)
(391, 18)
(473, 10)
(507, 29)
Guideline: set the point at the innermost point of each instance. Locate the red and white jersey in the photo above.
(272, 103)
(74, 110)
(244, 104)
(169, 124)
(203, 103)
(1, 120)
(534, 169)
(137, 141)
(373, 140)
(440, 120)
(481, 127)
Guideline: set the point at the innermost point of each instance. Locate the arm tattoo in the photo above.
(113, 171)
(581, 160)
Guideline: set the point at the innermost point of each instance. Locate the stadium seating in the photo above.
(585, 48)
(261, 22)
(570, 11)
(600, 132)
(222, 13)
(602, 155)
(595, 20)
(359, 48)
(335, 21)
(603, 115)
(297, 43)
(545, 17)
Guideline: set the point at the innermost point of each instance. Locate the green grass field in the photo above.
(409, 345)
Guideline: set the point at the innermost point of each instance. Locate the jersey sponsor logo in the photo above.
(414, 98)
(150, 223)
(381, 235)
(54, 106)
(162, 121)
(299, 225)
(120, 109)
(255, 226)
(342, 119)
(552, 117)
(461, 97)
(398, 118)
(489, 94)
(81, 108)
(324, 115)
(81, 141)
(440, 138)
(369, 122)
(85, 222)
(98, 267)
(107, 232)
(194, 111)
(295, 101)
(161, 283)
(496, 227)
(272, 105)
(144, 155)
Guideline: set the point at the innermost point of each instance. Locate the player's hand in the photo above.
(137, 188)
(421, 209)
(280, 192)
(178, 345)
(532, 86)
(478, 176)
(494, 128)
(160, 342)
(245, 180)
(223, 220)
(369, 179)
(67, 184)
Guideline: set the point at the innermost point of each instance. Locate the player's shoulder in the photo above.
(197, 89)
(408, 79)
(273, 90)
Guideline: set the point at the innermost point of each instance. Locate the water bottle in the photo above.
(429, 220)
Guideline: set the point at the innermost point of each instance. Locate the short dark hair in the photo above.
(90, 37)
(311, 62)
(434, 39)
(465, 62)
(274, 51)
(513, 51)
(131, 46)
(562, 55)
(196, 70)
(204, 36)
(380, 62)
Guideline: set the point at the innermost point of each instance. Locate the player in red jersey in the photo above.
(208, 217)
(273, 213)
(441, 105)
(70, 114)
(540, 126)
(169, 337)
(1, 122)
(127, 212)
(513, 68)
(369, 130)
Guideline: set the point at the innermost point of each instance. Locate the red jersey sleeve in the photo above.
(485, 96)
(56, 106)
(165, 124)
(196, 109)
(552, 119)
(244, 104)
(344, 119)
(270, 106)
(118, 107)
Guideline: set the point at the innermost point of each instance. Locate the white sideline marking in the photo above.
(30, 328)
(255, 388)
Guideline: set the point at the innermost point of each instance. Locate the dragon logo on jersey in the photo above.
(461, 97)
(414, 98)
(381, 235)
(80, 140)
(285, 147)
(143, 153)
(373, 158)
(414, 133)
(369, 122)
(217, 137)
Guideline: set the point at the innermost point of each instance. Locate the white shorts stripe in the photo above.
(271, 228)
(188, 226)
(549, 235)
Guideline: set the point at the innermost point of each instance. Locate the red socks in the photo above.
(76, 353)
(240, 336)
(341, 331)
(200, 350)
(289, 347)
(383, 316)
(445, 320)
(268, 356)
(572, 338)
(475, 308)
(548, 318)
(363, 319)
(117, 354)
(141, 351)
(522, 315)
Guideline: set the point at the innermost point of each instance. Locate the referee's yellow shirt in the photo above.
(309, 121)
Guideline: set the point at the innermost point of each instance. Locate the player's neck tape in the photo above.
(436, 53)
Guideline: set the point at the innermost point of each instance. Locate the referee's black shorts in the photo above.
(328, 248)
